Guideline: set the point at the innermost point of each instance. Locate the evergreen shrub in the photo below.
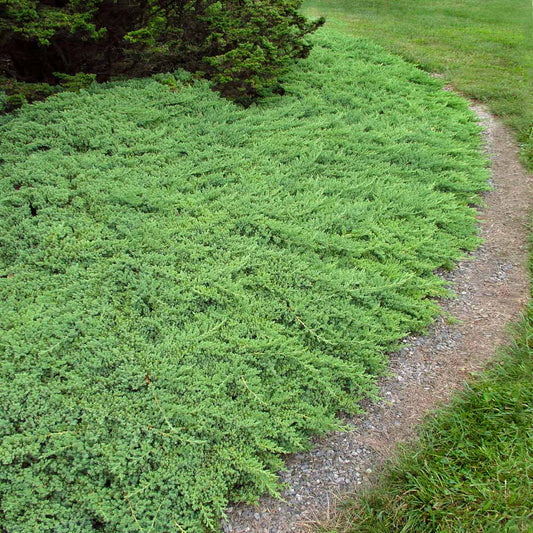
(190, 289)
(242, 45)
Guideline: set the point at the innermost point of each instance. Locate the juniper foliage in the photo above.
(242, 45)
(190, 289)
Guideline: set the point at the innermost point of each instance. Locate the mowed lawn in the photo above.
(485, 49)
(189, 289)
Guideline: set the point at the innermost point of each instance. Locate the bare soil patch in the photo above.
(492, 287)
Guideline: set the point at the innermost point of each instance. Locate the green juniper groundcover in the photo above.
(190, 289)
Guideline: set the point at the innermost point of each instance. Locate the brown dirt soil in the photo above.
(492, 285)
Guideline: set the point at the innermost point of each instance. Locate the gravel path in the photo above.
(492, 287)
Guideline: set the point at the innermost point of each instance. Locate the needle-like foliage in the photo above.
(189, 289)
(243, 46)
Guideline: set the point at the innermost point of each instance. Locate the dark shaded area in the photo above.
(242, 46)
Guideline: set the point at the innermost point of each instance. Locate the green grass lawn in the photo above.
(472, 469)
(189, 289)
(485, 48)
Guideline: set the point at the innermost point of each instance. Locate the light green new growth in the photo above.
(189, 289)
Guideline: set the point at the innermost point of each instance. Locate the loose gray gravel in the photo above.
(491, 287)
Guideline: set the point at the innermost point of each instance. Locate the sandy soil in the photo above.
(492, 285)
